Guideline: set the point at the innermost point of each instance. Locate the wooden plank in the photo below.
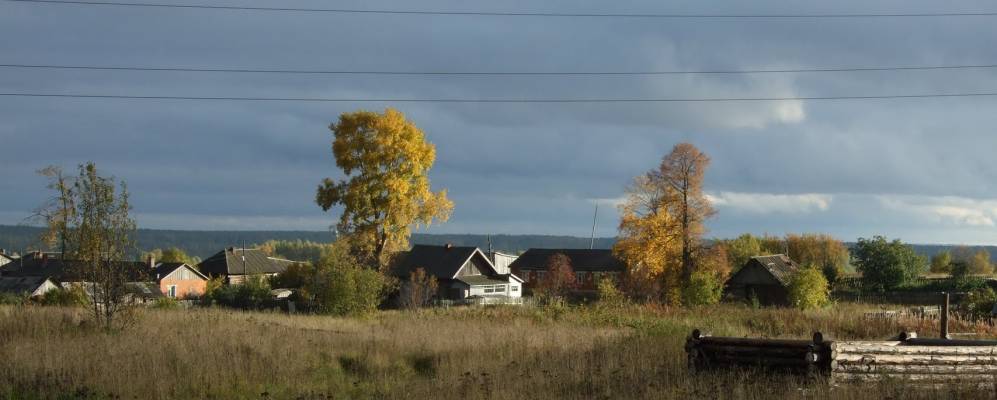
(871, 349)
(913, 359)
(915, 369)
(729, 341)
(755, 350)
(849, 377)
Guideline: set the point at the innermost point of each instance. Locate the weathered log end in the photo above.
(696, 334)
(903, 336)
(818, 337)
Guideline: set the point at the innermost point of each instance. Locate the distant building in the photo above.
(762, 278)
(30, 286)
(462, 272)
(501, 261)
(52, 266)
(179, 280)
(590, 266)
(236, 264)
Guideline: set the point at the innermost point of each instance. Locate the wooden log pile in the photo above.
(909, 358)
(809, 357)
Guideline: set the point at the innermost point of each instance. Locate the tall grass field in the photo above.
(585, 352)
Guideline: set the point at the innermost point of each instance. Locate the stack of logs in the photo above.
(806, 357)
(913, 359)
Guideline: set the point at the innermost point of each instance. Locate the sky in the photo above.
(917, 169)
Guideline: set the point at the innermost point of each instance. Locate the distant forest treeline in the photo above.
(205, 243)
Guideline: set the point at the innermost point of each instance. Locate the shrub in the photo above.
(12, 299)
(166, 303)
(808, 289)
(254, 294)
(294, 277)
(62, 297)
(609, 294)
(341, 286)
(704, 288)
(979, 302)
(418, 290)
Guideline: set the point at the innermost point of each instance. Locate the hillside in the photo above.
(206, 243)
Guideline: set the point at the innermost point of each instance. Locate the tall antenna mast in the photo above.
(594, 217)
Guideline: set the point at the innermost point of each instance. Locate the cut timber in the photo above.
(847, 377)
(915, 359)
(867, 348)
(749, 342)
(915, 369)
(755, 350)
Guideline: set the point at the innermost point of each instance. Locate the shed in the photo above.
(30, 286)
(765, 278)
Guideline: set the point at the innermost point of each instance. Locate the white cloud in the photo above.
(768, 203)
(950, 209)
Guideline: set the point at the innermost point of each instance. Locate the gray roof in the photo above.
(230, 262)
(50, 266)
(478, 280)
(21, 284)
(440, 261)
(590, 260)
(779, 265)
(163, 269)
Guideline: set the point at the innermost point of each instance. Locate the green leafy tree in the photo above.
(704, 288)
(941, 262)
(979, 303)
(741, 249)
(887, 265)
(386, 161)
(295, 276)
(825, 252)
(808, 289)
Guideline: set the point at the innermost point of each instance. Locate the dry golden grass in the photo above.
(466, 353)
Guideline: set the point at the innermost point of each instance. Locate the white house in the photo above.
(462, 272)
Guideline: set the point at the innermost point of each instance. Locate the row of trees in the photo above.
(962, 260)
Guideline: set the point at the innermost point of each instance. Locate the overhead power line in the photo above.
(513, 13)
(460, 100)
(497, 73)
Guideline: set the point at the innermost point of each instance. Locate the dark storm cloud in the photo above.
(912, 168)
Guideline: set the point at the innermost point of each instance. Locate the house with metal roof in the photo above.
(762, 278)
(462, 272)
(235, 264)
(589, 265)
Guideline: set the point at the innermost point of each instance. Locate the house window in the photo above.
(172, 291)
(580, 277)
(514, 288)
(499, 288)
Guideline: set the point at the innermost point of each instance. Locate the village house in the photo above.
(5, 258)
(142, 285)
(764, 279)
(501, 261)
(590, 266)
(29, 286)
(235, 265)
(462, 272)
(179, 280)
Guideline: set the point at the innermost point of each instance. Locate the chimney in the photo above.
(152, 261)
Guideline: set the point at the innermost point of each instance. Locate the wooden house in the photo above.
(462, 272)
(765, 278)
(235, 265)
(590, 266)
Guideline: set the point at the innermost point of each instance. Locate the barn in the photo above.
(765, 278)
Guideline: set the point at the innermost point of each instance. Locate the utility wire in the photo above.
(511, 13)
(458, 100)
(496, 73)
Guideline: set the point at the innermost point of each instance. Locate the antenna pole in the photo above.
(594, 218)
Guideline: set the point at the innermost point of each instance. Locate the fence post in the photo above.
(945, 316)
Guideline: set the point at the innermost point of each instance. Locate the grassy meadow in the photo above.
(459, 353)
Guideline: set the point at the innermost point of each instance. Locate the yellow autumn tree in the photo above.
(649, 243)
(385, 193)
